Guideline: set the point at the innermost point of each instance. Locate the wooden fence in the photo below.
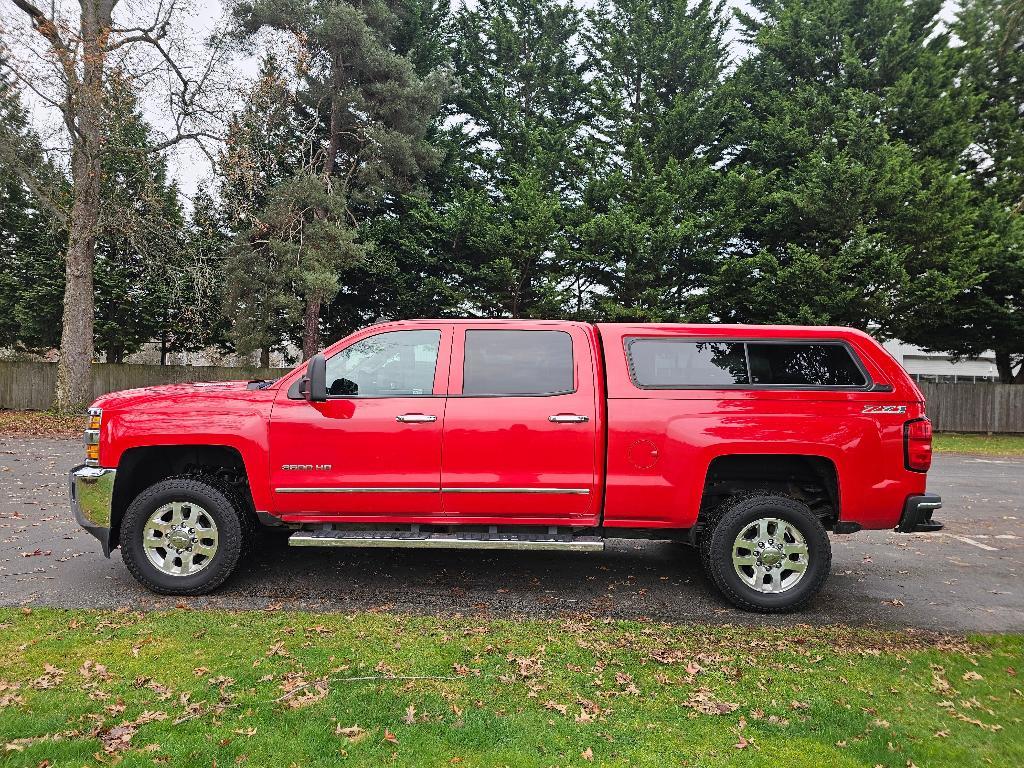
(31, 385)
(975, 407)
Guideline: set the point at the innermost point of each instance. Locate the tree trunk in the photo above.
(311, 316)
(265, 357)
(311, 326)
(1004, 365)
(164, 344)
(74, 385)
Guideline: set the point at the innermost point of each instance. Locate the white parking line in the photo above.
(970, 541)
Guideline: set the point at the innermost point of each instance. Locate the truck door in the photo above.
(520, 432)
(373, 449)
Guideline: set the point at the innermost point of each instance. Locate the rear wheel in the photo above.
(184, 535)
(767, 553)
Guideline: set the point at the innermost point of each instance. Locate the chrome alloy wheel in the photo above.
(770, 555)
(180, 538)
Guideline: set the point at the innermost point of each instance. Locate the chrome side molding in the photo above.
(575, 491)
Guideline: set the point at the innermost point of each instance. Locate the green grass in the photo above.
(988, 445)
(279, 689)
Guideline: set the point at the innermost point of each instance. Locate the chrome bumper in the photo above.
(92, 494)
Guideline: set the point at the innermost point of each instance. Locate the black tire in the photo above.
(738, 513)
(220, 501)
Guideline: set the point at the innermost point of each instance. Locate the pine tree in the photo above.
(193, 315)
(525, 104)
(416, 267)
(369, 110)
(990, 316)
(140, 233)
(266, 145)
(845, 131)
(31, 237)
(655, 220)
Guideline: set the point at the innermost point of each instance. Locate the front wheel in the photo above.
(767, 553)
(184, 535)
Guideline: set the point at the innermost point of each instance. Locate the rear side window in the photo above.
(682, 363)
(671, 363)
(518, 363)
(815, 365)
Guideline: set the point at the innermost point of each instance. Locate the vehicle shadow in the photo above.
(630, 579)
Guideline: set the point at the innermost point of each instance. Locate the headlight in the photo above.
(92, 437)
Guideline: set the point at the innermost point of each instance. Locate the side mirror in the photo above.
(315, 382)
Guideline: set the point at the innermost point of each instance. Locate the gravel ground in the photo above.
(966, 578)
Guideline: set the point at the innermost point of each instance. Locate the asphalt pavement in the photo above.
(963, 579)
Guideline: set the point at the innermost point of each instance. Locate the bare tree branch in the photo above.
(179, 138)
(46, 27)
(10, 155)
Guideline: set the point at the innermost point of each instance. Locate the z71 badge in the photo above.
(884, 409)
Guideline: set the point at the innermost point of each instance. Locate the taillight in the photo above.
(917, 445)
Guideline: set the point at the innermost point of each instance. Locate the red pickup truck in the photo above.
(749, 442)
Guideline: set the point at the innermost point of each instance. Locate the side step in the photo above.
(354, 538)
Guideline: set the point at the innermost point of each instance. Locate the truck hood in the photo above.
(179, 394)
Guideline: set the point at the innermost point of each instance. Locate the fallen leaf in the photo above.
(561, 708)
(703, 700)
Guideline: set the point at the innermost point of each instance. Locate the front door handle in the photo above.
(568, 418)
(415, 418)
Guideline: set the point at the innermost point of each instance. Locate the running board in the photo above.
(341, 538)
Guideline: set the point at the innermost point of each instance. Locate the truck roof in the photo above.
(731, 329)
(642, 328)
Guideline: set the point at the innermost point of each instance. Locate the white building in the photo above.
(940, 366)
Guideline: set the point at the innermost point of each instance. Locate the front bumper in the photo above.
(92, 494)
(917, 514)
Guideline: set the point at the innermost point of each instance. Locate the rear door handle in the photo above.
(568, 418)
(415, 418)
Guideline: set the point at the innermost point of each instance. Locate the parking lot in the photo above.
(966, 578)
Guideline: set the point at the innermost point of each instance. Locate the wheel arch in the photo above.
(807, 477)
(141, 467)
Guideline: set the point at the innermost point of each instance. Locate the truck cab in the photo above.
(750, 443)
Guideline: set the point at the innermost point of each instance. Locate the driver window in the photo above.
(390, 364)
